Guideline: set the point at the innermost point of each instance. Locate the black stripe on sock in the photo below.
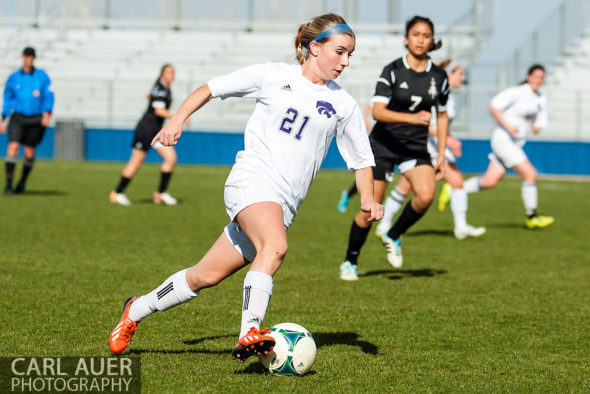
(169, 287)
(246, 297)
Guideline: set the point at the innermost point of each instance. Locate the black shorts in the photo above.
(405, 157)
(26, 130)
(144, 134)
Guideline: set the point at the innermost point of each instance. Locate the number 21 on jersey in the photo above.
(289, 122)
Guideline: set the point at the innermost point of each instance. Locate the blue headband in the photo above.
(341, 28)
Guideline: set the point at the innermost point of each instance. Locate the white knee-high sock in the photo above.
(529, 197)
(393, 203)
(472, 185)
(459, 207)
(174, 291)
(257, 292)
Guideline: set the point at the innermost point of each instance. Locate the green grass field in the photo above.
(509, 312)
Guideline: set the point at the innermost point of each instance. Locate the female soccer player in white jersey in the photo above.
(299, 109)
(518, 110)
(405, 93)
(452, 191)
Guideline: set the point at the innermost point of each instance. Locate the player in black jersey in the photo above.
(406, 93)
(149, 125)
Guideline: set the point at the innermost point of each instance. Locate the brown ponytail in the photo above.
(298, 47)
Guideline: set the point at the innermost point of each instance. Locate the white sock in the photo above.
(174, 291)
(472, 185)
(257, 292)
(459, 207)
(393, 203)
(529, 197)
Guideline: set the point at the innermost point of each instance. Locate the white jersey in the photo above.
(522, 108)
(288, 135)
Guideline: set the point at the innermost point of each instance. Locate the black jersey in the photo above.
(405, 90)
(160, 97)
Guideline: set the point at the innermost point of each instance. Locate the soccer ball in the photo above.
(294, 351)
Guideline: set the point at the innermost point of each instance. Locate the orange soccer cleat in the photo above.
(254, 342)
(121, 336)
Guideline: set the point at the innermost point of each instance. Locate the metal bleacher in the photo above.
(567, 96)
(102, 76)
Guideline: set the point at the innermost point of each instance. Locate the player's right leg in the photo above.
(136, 160)
(359, 231)
(221, 261)
(169, 155)
(458, 200)
(10, 161)
(493, 175)
(529, 195)
(15, 130)
(27, 168)
(423, 184)
(393, 203)
(264, 226)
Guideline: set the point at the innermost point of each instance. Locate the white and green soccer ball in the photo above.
(294, 351)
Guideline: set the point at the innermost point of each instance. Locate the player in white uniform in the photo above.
(518, 110)
(299, 109)
(452, 191)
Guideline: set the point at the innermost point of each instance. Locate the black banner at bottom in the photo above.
(70, 374)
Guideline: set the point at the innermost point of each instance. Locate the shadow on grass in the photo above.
(189, 342)
(422, 233)
(507, 225)
(151, 201)
(33, 193)
(400, 274)
(321, 339)
(253, 369)
(344, 338)
(258, 369)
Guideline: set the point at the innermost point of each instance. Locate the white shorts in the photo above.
(240, 241)
(507, 152)
(432, 146)
(243, 189)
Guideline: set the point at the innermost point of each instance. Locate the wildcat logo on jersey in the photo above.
(325, 108)
(432, 92)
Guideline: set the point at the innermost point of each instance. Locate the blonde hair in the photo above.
(308, 31)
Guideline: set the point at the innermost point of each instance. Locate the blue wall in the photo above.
(216, 148)
(44, 150)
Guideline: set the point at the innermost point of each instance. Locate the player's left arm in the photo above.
(442, 126)
(442, 121)
(170, 134)
(355, 149)
(8, 105)
(364, 184)
(47, 100)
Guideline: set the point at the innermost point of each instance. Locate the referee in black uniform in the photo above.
(28, 101)
(407, 92)
(148, 126)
